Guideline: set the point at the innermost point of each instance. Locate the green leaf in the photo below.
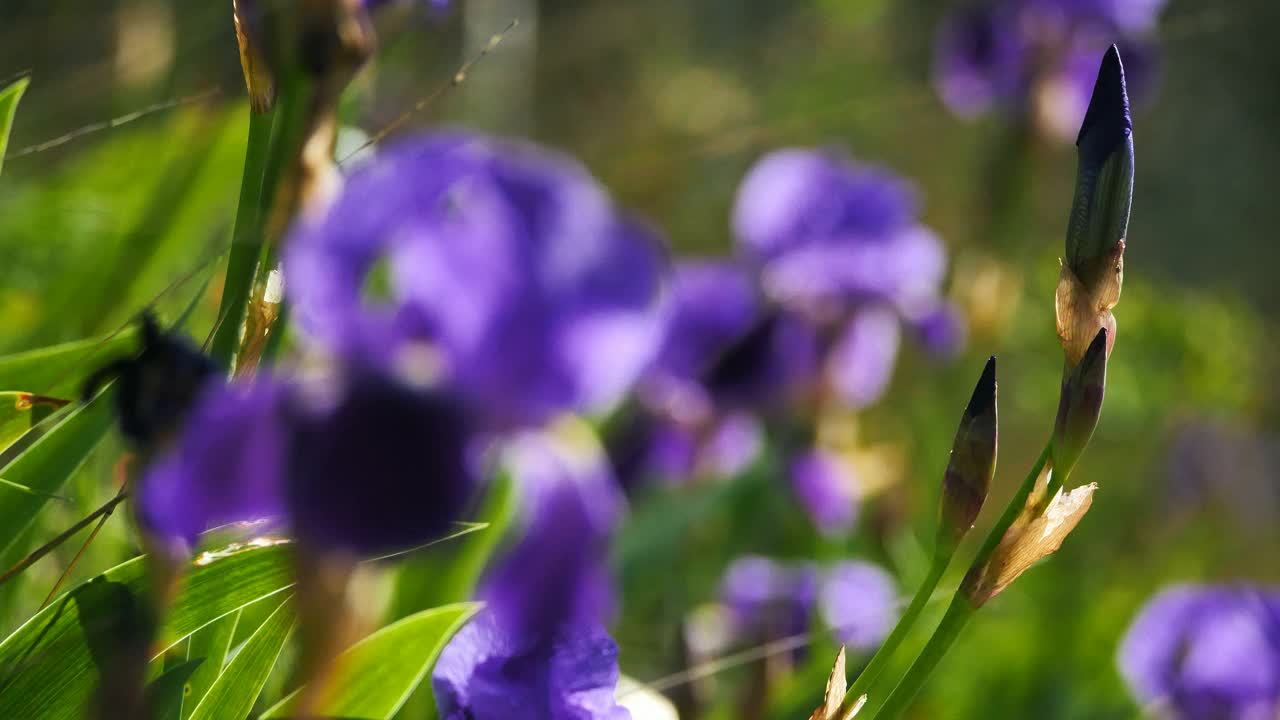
(20, 411)
(59, 370)
(376, 675)
(48, 462)
(210, 644)
(164, 694)
(234, 692)
(9, 98)
(48, 667)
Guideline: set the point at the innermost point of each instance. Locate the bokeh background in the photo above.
(669, 103)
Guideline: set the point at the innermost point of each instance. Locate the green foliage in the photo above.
(58, 370)
(9, 97)
(376, 675)
(232, 695)
(210, 646)
(165, 693)
(49, 666)
(47, 463)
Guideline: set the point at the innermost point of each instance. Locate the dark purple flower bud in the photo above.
(1104, 184)
(1080, 406)
(1206, 652)
(859, 601)
(826, 487)
(496, 250)
(556, 573)
(826, 233)
(486, 673)
(972, 465)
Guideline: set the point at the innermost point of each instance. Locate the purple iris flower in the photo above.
(827, 234)
(1207, 652)
(358, 462)
(1039, 56)
(768, 599)
(496, 251)
(539, 649)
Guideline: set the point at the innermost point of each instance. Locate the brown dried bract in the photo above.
(1038, 533)
(1082, 309)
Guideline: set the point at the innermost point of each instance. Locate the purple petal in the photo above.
(227, 466)
(826, 487)
(497, 250)
(377, 465)
(486, 673)
(557, 573)
(861, 362)
(860, 603)
(713, 303)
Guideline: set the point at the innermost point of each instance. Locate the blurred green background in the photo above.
(669, 102)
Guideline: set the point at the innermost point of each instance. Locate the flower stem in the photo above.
(246, 242)
(961, 607)
(941, 559)
(958, 613)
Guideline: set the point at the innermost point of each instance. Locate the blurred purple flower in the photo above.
(1212, 461)
(1207, 652)
(767, 599)
(859, 601)
(359, 462)
(940, 329)
(556, 572)
(497, 250)
(1039, 55)
(484, 673)
(861, 360)
(539, 649)
(827, 489)
(827, 233)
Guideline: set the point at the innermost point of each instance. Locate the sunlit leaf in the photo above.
(164, 694)
(9, 97)
(211, 645)
(232, 695)
(47, 669)
(376, 675)
(20, 411)
(59, 370)
(48, 462)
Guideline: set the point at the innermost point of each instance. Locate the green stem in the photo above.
(908, 620)
(958, 613)
(1013, 509)
(246, 240)
(961, 607)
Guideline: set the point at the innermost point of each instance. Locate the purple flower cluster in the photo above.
(1039, 57)
(833, 263)
(1207, 652)
(515, 295)
(768, 600)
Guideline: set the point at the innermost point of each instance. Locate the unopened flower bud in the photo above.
(1093, 269)
(973, 462)
(1080, 405)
